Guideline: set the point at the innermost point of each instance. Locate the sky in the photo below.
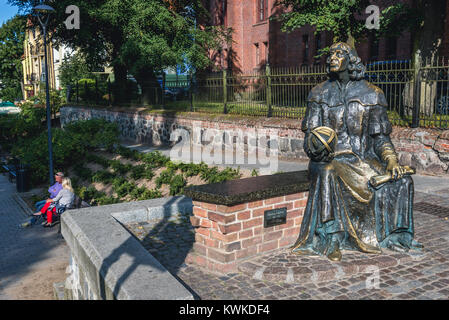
(6, 11)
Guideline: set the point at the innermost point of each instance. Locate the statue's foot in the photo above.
(333, 252)
(402, 242)
(335, 255)
(303, 252)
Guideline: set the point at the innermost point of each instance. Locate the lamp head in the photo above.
(43, 9)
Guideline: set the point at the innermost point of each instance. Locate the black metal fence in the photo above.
(416, 96)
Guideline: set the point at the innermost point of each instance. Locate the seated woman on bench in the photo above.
(53, 190)
(54, 206)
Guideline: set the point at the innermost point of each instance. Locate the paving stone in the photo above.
(422, 275)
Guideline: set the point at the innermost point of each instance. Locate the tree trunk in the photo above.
(120, 77)
(149, 85)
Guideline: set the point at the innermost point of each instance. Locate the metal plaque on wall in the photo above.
(275, 217)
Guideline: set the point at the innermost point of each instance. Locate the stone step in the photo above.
(283, 266)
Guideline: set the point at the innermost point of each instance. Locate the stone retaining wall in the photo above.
(425, 149)
(109, 263)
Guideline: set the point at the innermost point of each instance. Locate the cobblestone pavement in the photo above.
(26, 252)
(401, 276)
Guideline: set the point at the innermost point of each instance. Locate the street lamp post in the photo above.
(43, 10)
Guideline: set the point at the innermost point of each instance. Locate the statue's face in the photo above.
(338, 60)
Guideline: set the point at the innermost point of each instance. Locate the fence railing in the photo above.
(416, 95)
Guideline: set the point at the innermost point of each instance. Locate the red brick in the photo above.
(197, 211)
(255, 204)
(244, 253)
(220, 256)
(290, 232)
(209, 206)
(229, 228)
(246, 233)
(225, 267)
(223, 218)
(287, 241)
(304, 195)
(224, 237)
(205, 223)
(197, 204)
(300, 203)
(251, 242)
(288, 205)
(212, 243)
(272, 235)
(294, 196)
(201, 261)
(199, 238)
(260, 211)
(274, 200)
(252, 223)
(214, 225)
(234, 246)
(294, 213)
(199, 249)
(245, 215)
(267, 246)
(298, 221)
(290, 223)
(203, 231)
(258, 230)
(195, 221)
(190, 258)
(229, 209)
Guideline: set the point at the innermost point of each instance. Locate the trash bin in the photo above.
(22, 179)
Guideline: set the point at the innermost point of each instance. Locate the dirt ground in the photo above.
(37, 284)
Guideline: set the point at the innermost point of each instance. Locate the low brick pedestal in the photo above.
(227, 234)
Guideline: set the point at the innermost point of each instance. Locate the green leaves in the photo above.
(12, 36)
(344, 18)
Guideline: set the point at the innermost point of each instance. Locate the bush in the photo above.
(29, 123)
(177, 185)
(70, 147)
(155, 159)
(165, 177)
(129, 153)
(103, 176)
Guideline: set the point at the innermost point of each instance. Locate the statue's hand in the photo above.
(396, 170)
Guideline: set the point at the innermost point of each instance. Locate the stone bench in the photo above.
(239, 219)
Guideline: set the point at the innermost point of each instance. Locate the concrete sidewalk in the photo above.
(31, 259)
(423, 183)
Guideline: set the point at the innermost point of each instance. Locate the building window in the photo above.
(257, 51)
(317, 43)
(305, 46)
(262, 10)
(265, 47)
(223, 11)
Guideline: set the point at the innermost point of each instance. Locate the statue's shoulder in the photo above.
(366, 94)
(325, 92)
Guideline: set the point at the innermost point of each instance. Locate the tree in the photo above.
(73, 68)
(12, 36)
(346, 20)
(141, 37)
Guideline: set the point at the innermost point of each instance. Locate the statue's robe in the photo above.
(340, 197)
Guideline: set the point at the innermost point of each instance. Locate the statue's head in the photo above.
(344, 58)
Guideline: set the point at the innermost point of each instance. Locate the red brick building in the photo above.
(258, 40)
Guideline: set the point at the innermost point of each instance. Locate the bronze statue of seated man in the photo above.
(347, 139)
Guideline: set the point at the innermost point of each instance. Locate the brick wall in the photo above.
(227, 235)
(286, 49)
